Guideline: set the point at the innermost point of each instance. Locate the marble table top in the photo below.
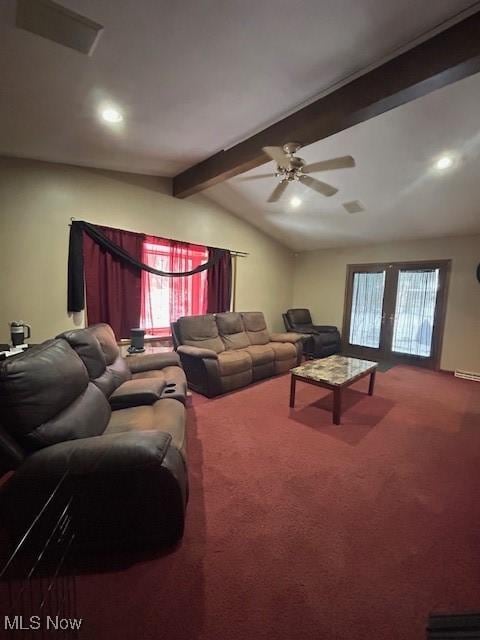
(334, 370)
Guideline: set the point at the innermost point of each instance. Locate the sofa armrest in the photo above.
(197, 352)
(150, 362)
(286, 337)
(127, 488)
(96, 455)
(304, 332)
(137, 392)
(325, 328)
(202, 369)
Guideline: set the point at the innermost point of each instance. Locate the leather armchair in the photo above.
(319, 340)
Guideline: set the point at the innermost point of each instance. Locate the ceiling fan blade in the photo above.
(277, 193)
(277, 154)
(345, 162)
(321, 187)
(257, 177)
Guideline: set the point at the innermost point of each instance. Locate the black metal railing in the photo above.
(37, 581)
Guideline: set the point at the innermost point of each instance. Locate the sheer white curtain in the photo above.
(367, 306)
(415, 311)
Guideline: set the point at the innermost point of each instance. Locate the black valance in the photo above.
(76, 290)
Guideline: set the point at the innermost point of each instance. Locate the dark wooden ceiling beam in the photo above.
(444, 58)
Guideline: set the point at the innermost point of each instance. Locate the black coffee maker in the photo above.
(19, 332)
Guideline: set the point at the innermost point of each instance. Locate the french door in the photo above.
(395, 311)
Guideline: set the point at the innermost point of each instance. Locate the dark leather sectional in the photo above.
(117, 426)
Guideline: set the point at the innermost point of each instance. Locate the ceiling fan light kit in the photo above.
(291, 168)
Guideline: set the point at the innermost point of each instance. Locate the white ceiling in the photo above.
(192, 77)
(394, 180)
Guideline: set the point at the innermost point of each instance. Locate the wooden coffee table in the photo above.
(334, 373)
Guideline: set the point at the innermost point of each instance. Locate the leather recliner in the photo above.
(319, 340)
(225, 351)
(126, 469)
(126, 381)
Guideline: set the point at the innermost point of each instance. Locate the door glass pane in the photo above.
(367, 305)
(415, 311)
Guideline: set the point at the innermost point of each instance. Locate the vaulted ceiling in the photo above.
(193, 78)
(395, 178)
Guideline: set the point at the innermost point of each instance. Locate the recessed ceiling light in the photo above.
(445, 162)
(111, 115)
(295, 201)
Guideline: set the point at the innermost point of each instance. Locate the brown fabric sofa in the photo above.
(225, 351)
(126, 469)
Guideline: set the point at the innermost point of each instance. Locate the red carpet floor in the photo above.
(298, 529)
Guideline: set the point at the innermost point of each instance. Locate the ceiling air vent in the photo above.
(355, 206)
(54, 22)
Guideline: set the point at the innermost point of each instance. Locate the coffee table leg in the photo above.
(292, 391)
(337, 405)
(372, 382)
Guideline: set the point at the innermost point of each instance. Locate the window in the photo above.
(367, 307)
(415, 311)
(166, 299)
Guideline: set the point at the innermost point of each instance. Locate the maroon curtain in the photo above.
(113, 287)
(219, 284)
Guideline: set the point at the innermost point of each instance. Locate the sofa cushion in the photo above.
(39, 383)
(283, 350)
(88, 348)
(107, 383)
(116, 365)
(299, 316)
(200, 331)
(168, 374)
(260, 354)
(231, 330)
(256, 328)
(166, 415)
(104, 334)
(153, 361)
(282, 366)
(86, 345)
(46, 396)
(119, 370)
(231, 362)
(86, 416)
(237, 380)
(326, 339)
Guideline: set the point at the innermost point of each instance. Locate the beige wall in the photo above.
(319, 283)
(37, 200)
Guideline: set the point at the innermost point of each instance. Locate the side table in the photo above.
(149, 350)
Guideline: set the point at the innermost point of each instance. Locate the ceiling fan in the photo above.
(292, 168)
